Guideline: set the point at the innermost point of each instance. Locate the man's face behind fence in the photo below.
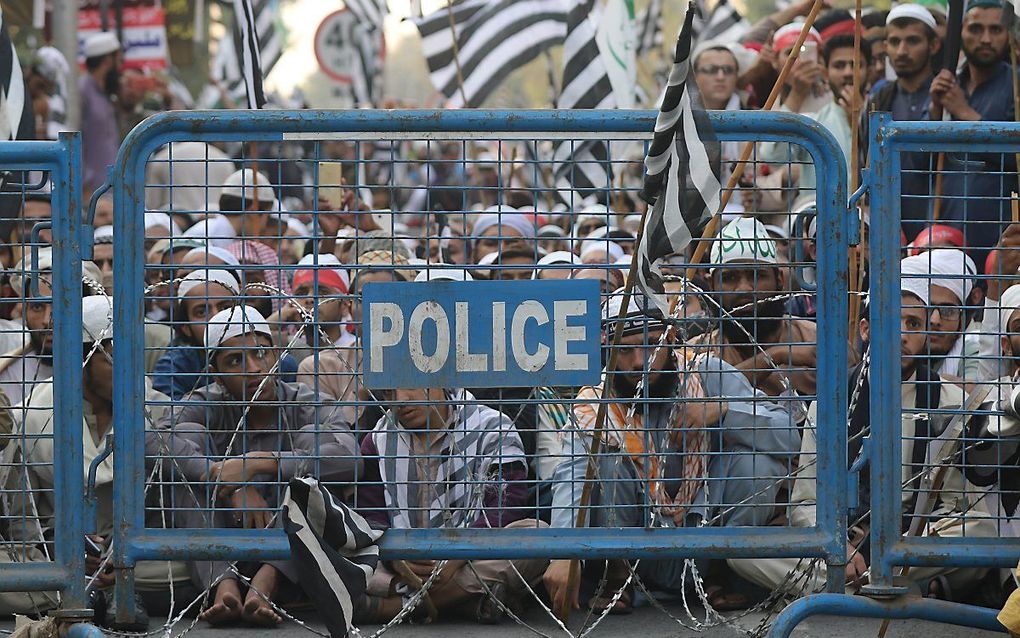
(418, 408)
(243, 364)
(39, 319)
(639, 359)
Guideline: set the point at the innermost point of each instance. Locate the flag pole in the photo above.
(456, 50)
(574, 570)
(600, 416)
(713, 224)
(856, 260)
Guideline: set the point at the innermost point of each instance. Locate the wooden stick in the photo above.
(1016, 97)
(856, 262)
(1015, 204)
(600, 416)
(738, 170)
(940, 165)
(456, 50)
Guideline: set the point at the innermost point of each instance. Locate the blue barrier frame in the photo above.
(889, 549)
(62, 159)
(133, 542)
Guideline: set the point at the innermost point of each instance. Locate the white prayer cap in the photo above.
(744, 239)
(744, 57)
(156, 219)
(245, 179)
(559, 257)
(610, 249)
(102, 232)
(298, 227)
(234, 322)
(550, 230)
(23, 271)
(443, 274)
(96, 318)
(504, 217)
(952, 269)
(1009, 303)
(99, 44)
(200, 277)
(914, 277)
(222, 254)
(911, 12)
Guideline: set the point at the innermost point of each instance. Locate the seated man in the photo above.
(446, 461)
(28, 486)
(31, 363)
(678, 425)
(750, 289)
(248, 424)
(954, 513)
(952, 347)
(201, 294)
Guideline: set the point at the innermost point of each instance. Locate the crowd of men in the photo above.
(255, 267)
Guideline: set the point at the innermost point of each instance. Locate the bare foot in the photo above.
(226, 607)
(257, 609)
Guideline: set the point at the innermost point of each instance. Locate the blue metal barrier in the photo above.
(61, 159)
(890, 547)
(135, 542)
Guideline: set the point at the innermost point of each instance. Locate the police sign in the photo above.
(481, 334)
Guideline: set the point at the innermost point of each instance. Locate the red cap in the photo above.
(937, 235)
(327, 277)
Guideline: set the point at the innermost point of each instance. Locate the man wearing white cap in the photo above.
(996, 465)
(749, 284)
(100, 137)
(29, 521)
(31, 363)
(656, 448)
(200, 295)
(244, 210)
(954, 351)
(911, 43)
(250, 424)
(922, 392)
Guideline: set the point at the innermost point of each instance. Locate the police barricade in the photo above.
(43, 522)
(940, 454)
(407, 312)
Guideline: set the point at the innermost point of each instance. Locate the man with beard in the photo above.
(838, 67)
(749, 286)
(240, 437)
(31, 363)
(928, 403)
(100, 137)
(911, 43)
(982, 91)
(687, 441)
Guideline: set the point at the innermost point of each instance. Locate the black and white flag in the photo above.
(333, 548)
(257, 47)
(582, 166)
(17, 120)
(724, 24)
(368, 12)
(649, 26)
(681, 172)
(493, 38)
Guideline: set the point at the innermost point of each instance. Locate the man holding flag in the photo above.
(662, 427)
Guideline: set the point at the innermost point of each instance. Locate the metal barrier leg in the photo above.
(901, 608)
(82, 630)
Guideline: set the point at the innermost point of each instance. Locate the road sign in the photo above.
(446, 334)
(337, 46)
